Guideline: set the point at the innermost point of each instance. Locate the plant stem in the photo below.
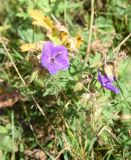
(90, 31)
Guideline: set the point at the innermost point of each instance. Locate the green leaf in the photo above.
(3, 130)
(23, 15)
(6, 143)
(105, 24)
(34, 76)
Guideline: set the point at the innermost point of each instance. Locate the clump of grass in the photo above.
(68, 115)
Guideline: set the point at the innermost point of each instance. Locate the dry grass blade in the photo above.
(90, 31)
(119, 46)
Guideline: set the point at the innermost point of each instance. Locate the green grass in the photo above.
(67, 116)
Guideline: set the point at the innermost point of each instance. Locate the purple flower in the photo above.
(107, 83)
(54, 58)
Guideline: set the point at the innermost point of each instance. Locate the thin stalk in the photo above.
(13, 137)
(65, 11)
(119, 46)
(90, 31)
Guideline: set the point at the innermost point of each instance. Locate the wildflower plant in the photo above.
(62, 61)
(54, 58)
(106, 82)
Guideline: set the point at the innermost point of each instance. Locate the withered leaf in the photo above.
(35, 154)
(40, 19)
(32, 46)
(8, 98)
(109, 70)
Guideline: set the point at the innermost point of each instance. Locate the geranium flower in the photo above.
(54, 58)
(106, 82)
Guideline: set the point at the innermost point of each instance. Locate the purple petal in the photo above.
(52, 68)
(102, 79)
(112, 88)
(46, 53)
(54, 58)
(62, 61)
(107, 83)
(59, 50)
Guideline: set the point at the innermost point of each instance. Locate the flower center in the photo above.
(52, 60)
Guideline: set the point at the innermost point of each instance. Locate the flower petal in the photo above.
(46, 53)
(112, 88)
(60, 50)
(61, 57)
(103, 79)
(107, 83)
(52, 68)
(62, 62)
(54, 58)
